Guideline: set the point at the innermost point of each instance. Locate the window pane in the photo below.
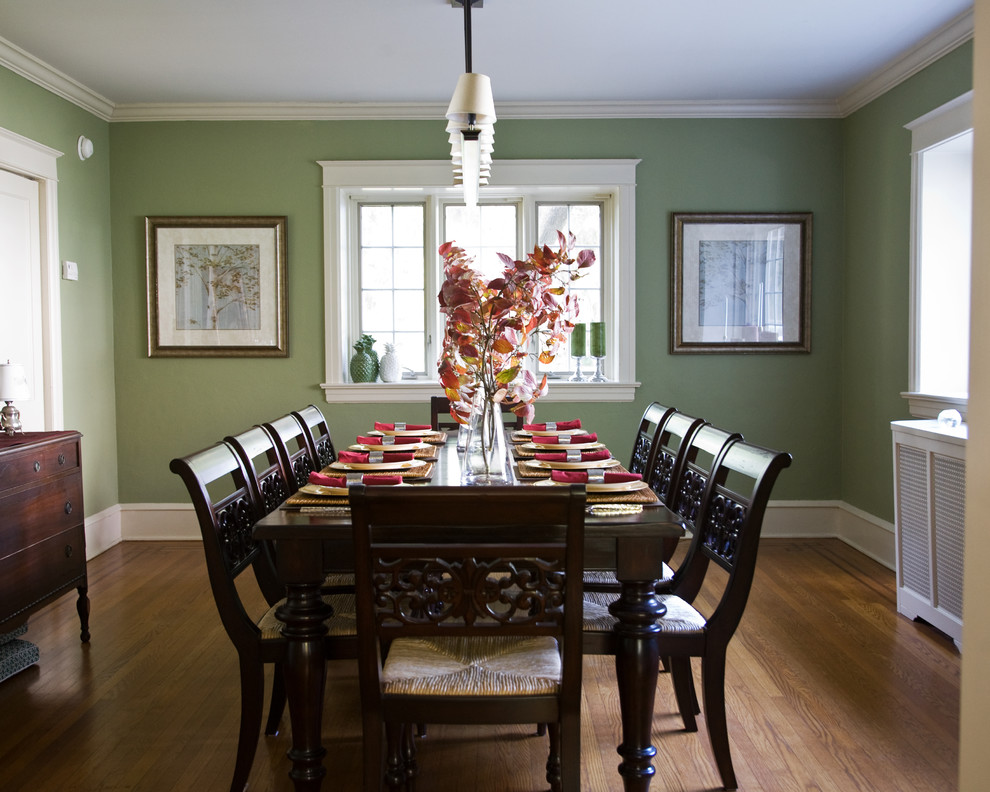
(409, 272)
(946, 221)
(411, 348)
(408, 310)
(408, 226)
(483, 233)
(586, 225)
(376, 266)
(376, 311)
(376, 226)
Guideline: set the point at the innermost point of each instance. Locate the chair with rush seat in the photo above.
(317, 435)
(469, 611)
(226, 510)
(728, 525)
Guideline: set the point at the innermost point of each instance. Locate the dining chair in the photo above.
(654, 417)
(317, 433)
(440, 417)
(468, 607)
(226, 511)
(671, 448)
(297, 458)
(728, 526)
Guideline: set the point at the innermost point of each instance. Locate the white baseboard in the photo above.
(102, 531)
(784, 519)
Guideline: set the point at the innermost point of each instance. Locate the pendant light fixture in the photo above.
(471, 121)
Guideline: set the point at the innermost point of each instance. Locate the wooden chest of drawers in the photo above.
(42, 540)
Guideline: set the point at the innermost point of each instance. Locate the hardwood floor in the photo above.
(828, 689)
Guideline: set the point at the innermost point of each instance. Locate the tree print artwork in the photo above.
(217, 287)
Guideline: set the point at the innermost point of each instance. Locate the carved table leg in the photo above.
(636, 662)
(305, 681)
(82, 608)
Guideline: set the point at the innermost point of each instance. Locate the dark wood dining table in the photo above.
(310, 542)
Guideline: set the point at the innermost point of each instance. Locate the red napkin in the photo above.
(389, 427)
(581, 476)
(377, 441)
(569, 439)
(586, 456)
(561, 425)
(361, 457)
(341, 481)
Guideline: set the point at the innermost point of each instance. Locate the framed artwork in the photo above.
(216, 287)
(741, 283)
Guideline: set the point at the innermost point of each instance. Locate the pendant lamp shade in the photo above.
(471, 123)
(472, 103)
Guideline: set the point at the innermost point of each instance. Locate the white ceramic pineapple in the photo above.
(389, 369)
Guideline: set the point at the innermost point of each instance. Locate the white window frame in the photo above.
(344, 181)
(944, 122)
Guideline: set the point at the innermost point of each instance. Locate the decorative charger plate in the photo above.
(389, 448)
(542, 465)
(619, 486)
(409, 464)
(549, 432)
(561, 446)
(327, 492)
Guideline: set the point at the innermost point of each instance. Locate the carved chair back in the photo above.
(669, 448)
(440, 417)
(297, 458)
(652, 422)
(694, 468)
(317, 435)
(222, 496)
(727, 529)
(470, 562)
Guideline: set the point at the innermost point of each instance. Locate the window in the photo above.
(385, 220)
(941, 221)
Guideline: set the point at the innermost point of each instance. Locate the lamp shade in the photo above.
(472, 97)
(13, 382)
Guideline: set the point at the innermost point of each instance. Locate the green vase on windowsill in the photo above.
(363, 366)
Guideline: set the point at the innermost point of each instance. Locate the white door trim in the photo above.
(33, 160)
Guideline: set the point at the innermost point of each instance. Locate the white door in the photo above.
(20, 291)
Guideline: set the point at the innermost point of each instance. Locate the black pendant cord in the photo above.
(467, 34)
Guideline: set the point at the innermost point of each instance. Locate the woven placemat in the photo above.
(301, 499)
(421, 473)
(644, 496)
(527, 472)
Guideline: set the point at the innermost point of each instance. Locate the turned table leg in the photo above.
(305, 681)
(637, 658)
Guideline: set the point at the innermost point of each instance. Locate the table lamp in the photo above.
(13, 385)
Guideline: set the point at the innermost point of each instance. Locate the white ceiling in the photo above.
(121, 54)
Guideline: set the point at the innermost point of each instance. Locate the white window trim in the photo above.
(946, 121)
(341, 179)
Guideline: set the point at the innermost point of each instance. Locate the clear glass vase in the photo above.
(486, 458)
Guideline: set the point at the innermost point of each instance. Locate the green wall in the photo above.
(84, 237)
(830, 408)
(876, 274)
(206, 168)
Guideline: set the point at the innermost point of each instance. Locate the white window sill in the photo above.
(927, 405)
(421, 391)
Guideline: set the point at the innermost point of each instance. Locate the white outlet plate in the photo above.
(70, 270)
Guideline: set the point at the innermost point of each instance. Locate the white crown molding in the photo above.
(368, 111)
(956, 33)
(29, 67)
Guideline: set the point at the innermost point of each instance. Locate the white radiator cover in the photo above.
(929, 520)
